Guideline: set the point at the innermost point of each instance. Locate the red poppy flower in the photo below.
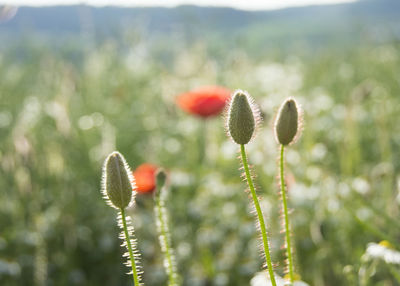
(145, 178)
(205, 101)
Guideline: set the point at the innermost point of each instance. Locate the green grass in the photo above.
(59, 119)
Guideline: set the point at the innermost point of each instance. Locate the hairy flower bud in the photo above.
(118, 182)
(287, 122)
(242, 117)
(161, 178)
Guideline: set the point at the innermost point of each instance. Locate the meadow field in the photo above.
(64, 109)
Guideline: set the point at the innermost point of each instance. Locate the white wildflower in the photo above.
(262, 279)
(383, 251)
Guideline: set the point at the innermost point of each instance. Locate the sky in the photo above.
(241, 4)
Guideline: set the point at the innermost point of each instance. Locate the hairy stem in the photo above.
(131, 256)
(164, 237)
(286, 216)
(259, 214)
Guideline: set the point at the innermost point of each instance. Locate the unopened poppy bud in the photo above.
(161, 177)
(287, 122)
(242, 117)
(117, 181)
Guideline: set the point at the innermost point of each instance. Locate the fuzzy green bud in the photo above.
(287, 122)
(118, 182)
(242, 117)
(161, 178)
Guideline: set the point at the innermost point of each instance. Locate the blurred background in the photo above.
(79, 81)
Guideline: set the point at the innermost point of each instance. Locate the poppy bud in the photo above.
(161, 177)
(287, 122)
(242, 117)
(117, 181)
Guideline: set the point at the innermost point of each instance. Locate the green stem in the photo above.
(202, 155)
(131, 256)
(394, 272)
(286, 217)
(165, 240)
(259, 214)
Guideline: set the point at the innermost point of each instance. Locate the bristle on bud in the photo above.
(242, 117)
(118, 183)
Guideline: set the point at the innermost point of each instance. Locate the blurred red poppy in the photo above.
(205, 102)
(145, 178)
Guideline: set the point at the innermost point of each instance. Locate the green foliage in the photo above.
(59, 119)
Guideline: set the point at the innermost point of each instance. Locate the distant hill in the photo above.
(315, 26)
